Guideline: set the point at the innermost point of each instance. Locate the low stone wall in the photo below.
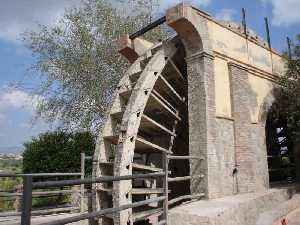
(243, 209)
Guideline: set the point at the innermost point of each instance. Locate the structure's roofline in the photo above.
(238, 29)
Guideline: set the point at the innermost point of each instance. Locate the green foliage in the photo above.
(57, 152)
(78, 61)
(288, 97)
(11, 165)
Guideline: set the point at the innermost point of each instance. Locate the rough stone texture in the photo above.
(225, 155)
(279, 212)
(249, 146)
(243, 209)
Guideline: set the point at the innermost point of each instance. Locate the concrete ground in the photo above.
(294, 218)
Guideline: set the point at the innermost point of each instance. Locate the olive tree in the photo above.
(78, 62)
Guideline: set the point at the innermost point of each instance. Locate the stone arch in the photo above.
(266, 105)
(191, 28)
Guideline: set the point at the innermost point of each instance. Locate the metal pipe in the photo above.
(184, 157)
(38, 174)
(289, 47)
(103, 179)
(104, 212)
(268, 32)
(148, 28)
(166, 187)
(82, 166)
(244, 21)
(26, 201)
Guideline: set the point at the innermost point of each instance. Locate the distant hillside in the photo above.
(13, 149)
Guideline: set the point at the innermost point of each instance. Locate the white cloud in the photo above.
(13, 99)
(226, 14)
(285, 12)
(17, 16)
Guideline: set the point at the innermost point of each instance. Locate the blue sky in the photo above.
(17, 107)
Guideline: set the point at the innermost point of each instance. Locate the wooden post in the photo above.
(82, 166)
(26, 200)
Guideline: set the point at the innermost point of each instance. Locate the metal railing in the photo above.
(29, 186)
(15, 196)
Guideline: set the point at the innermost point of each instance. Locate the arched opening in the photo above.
(281, 161)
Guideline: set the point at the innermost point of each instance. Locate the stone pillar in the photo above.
(250, 150)
(202, 128)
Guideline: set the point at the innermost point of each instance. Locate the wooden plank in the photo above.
(185, 197)
(147, 122)
(183, 157)
(117, 115)
(154, 102)
(167, 89)
(176, 70)
(177, 179)
(113, 139)
(136, 166)
(146, 168)
(125, 94)
(141, 145)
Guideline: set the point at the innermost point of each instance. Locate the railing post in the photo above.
(82, 166)
(166, 187)
(26, 200)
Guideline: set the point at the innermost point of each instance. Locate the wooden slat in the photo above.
(141, 145)
(117, 115)
(185, 197)
(125, 94)
(156, 103)
(147, 122)
(145, 168)
(113, 139)
(183, 157)
(136, 166)
(177, 179)
(167, 88)
(176, 70)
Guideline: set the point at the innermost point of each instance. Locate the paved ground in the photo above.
(294, 218)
